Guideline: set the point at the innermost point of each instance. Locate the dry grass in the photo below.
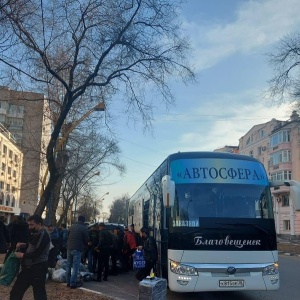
(55, 291)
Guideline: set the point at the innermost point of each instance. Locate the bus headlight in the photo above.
(182, 269)
(271, 269)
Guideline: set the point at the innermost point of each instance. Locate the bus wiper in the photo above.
(247, 224)
(204, 228)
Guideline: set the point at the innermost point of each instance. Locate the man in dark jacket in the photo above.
(19, 233)
(4, 237)
(54, 236)
(103, 248)
(150, 254)
(78, 239)
(63, 240)
(91, 254)
(34, 262)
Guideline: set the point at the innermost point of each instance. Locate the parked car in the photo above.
(109, 226)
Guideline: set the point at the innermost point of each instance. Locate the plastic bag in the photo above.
(59, 275)
(10, 269)
(87, 276)
(138, 259)
(61, 264)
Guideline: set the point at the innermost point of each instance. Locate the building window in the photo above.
(1, 185)
(9, 170)
(282, 175)
(4, 149)
(8, 188)
(13, 189)
(259, 151)
(251, 153)
(280, 157)
(10, 155)
(286, 225)
(14, 173)
(261, 133)
(7, 200)
(285, 200)
(3, 168)
(16, 158)
(280, 137)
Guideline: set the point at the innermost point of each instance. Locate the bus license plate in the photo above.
(231, 283)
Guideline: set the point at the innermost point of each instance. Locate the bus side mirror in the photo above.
(294, 193)
(168, 189)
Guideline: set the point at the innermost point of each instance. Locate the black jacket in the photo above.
(105, 240)
(78, 237)
(150, 250)
(19, 232)
(4, 238)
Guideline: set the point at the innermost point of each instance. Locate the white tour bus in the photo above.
(212, 217)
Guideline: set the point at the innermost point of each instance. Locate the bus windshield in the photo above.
(194, 201)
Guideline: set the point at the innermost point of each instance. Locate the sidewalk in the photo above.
(288, 247)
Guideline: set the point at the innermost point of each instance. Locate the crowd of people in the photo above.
(105, 252)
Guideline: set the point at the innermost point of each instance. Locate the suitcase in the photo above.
(153, 289)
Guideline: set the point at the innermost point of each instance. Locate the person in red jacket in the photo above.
(129, 248)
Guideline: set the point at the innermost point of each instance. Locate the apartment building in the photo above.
(277, 145)
(11, 160)
(26, 116)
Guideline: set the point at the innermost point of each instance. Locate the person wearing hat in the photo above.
(150, 254)
(77, 241)
(103, 248)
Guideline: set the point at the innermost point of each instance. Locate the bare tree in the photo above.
(118, 209)
(94, 49)
(286, 62)
(90, 158)
(86, 207)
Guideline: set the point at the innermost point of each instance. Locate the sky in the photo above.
(230, 41)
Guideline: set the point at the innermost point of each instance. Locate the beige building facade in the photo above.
(277, 145)
(11, 160)
(26, 116)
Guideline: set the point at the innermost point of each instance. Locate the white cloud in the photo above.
(258, 24)
(224, 122)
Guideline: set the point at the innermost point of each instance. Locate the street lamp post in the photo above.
(101, 199)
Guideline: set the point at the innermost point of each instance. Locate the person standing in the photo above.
(78, 239)
(92, 255)
(150, 254)
(54, 236)
(129, 248)
(34, 262)
(4, 237)
(103, 248)
(19, 233)
(63, 239)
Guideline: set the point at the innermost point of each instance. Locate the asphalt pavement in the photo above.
(123, 286)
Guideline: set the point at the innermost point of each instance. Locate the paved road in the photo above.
(125, 286)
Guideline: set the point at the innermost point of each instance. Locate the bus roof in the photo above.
(207, 154)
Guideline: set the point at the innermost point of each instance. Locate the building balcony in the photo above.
(282, 146)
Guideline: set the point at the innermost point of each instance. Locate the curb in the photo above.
(288, 253)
